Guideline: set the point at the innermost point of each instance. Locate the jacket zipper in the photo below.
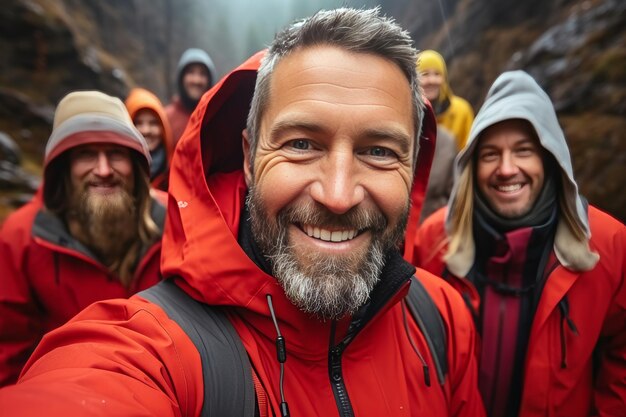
(336, 376)
(339, 387)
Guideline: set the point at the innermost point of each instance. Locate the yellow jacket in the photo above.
(457, 118)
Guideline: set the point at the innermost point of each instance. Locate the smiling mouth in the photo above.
(329, 235)
(508, 188)
(103, 185)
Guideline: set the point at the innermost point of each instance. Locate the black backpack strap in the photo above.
(430, 322)
(226, 369)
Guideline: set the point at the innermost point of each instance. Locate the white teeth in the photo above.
(336, 236)
(509, 188)
(329, 236)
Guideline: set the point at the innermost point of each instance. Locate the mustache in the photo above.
(315, 214)
(104, 182)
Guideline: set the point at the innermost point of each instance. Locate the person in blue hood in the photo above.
(195, 74)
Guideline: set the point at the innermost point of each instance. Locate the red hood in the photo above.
(207, 191)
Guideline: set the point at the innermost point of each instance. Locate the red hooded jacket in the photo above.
(127, 357)
(46, 274)
(559, 365)
(48, 277)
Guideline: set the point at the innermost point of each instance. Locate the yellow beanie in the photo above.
(432, 60)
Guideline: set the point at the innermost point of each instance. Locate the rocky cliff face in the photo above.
(575, 49)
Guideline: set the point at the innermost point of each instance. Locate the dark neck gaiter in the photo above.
(248, 243)
(158, 161)
(538, 215)
(508, 272)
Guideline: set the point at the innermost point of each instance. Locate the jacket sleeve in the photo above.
(462, 383)
(117, 357)
(610, 386)
(20, 317)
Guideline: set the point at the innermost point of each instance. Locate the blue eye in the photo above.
(300, 144)
(380, 152)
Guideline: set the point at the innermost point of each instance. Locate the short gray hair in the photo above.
(362, 31)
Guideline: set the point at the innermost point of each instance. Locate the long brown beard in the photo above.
(108, 225)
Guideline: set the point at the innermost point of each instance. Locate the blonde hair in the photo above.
(147, 229)
(461, 214)
(565, 211)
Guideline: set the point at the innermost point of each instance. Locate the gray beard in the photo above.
(329, 287)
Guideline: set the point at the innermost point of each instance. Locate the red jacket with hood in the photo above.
(46, 275)
(597, 305)
(127, 357)
(575, 361)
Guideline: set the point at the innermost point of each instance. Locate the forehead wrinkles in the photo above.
(302, 74)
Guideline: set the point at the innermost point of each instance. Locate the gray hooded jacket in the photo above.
(516, 95)
(193, 56)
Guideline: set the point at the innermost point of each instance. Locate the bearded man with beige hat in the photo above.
(91, 232)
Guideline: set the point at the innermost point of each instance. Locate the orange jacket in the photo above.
(47, 277)
(156, 368)
(597, 307)
(139, 99)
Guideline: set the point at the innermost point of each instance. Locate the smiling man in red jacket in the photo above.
(541, 270)
(296, 234)
(91, 233)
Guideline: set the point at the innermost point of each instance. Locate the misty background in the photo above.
(575, 49)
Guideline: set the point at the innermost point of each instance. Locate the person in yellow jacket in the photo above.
(453, 112)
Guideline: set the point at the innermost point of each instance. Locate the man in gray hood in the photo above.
(541, 270)
(195, 75)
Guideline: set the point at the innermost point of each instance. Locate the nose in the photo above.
(103, 166)
(507, 167)
(426, 79)
(196, 77)
(338, 188)
(143, 128)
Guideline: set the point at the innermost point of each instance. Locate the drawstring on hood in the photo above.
(281, 354)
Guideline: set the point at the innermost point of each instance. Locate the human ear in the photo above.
(247, 168)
